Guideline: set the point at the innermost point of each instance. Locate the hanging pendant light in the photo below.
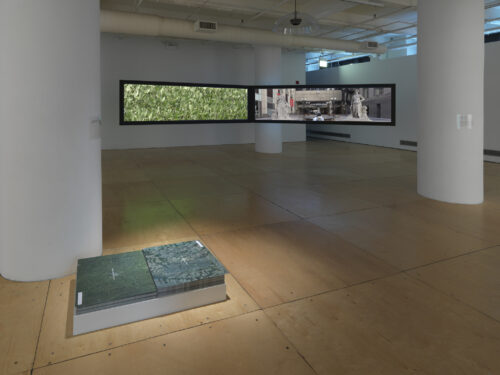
(296, 23)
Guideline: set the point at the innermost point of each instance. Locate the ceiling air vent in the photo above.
(205, 26)
(370, 45)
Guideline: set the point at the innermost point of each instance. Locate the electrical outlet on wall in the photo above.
(464, 121)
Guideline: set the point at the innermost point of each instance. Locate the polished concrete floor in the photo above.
(336, 266)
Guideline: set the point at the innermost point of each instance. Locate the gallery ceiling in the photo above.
(389, 22)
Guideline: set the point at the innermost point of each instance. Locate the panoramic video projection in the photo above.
(159, 103)
(339, 104)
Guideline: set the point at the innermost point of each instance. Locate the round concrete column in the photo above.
(450, 100)
(50, 173)
(268, 137)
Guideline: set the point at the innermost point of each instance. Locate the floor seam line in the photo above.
(343, 212)
(291, 343)
(456, 299)
(335, 290)
(449, 259)
(41, 326)
(200, 237)
(266, 199)
(447, 226)
(365, 251)
(146, 339)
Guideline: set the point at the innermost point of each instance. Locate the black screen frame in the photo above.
(190, 84)
(251, 89)
(367, 123)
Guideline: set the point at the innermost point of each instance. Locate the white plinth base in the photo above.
(114, 316)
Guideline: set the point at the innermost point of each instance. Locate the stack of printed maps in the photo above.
(115, 280)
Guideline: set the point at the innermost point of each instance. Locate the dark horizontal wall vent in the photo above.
(408, 143)
(492, 152)
(494, 37)
(208, 25)
(331, 134)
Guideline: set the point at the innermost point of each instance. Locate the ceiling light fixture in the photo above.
(366, 2)
(296, 23)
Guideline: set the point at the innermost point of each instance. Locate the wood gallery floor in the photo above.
(336, 266)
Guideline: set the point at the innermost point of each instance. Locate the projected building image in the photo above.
(333, 104)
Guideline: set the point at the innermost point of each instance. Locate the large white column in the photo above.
(268, 138)
(450, 100)
(50, 194)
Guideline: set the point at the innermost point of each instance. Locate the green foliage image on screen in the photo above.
(144, 103)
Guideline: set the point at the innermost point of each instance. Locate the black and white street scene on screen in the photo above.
(370, 104)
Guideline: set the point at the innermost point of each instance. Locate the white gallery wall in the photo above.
(157, 59)
(491, 98)
(403, 72)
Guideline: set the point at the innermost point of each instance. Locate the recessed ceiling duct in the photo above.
(140, 24)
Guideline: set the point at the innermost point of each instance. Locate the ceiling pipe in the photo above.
(149, 25)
